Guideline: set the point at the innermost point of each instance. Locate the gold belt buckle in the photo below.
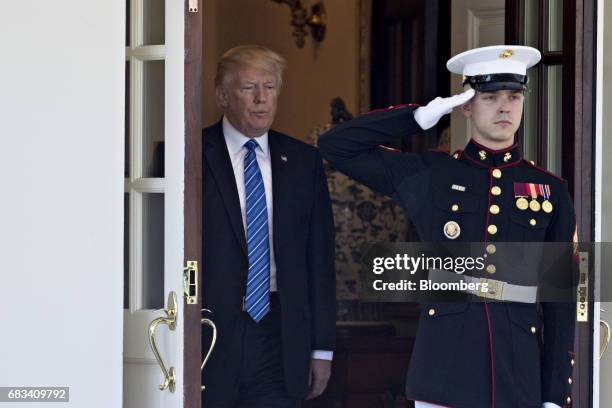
(495, 289)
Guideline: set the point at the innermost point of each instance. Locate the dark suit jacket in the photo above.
(303, 234)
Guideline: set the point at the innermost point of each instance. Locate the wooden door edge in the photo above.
(193, 201)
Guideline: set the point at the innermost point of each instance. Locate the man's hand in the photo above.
(427, 116)
(320, 370)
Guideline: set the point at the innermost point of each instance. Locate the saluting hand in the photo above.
(320, 370)
(427, 116)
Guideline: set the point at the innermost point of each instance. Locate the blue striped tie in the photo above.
(257, 300)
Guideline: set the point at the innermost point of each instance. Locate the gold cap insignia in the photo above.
(506, 54)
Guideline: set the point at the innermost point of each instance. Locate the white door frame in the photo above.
(598, 196)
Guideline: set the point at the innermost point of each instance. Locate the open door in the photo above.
(162, 353)
(563, 87)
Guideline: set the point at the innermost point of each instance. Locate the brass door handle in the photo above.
(169, 320)
(207, 322)
(603, 347)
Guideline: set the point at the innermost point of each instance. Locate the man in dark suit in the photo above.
(268, 250)
(504, 347)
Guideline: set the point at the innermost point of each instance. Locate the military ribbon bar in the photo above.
(532, 190)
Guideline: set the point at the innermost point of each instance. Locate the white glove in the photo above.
(427, 116)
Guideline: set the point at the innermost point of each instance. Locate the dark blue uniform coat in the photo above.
(470, 354)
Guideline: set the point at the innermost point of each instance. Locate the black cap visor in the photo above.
(497, 82)
(499, 86)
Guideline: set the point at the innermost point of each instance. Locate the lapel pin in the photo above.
(283, 157)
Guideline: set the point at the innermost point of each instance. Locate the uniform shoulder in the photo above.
(543, 172)
(440, 154)
(394, 107)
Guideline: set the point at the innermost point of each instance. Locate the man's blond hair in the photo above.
(250, 56)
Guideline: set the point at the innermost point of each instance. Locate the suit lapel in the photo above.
(218, 157)
(281, 179)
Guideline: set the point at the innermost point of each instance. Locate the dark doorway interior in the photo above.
(409, 47)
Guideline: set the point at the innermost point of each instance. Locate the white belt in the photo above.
(495, 289)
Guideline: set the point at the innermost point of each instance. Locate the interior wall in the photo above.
(316, 73)
(61, 214)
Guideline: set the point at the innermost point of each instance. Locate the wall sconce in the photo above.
(300, 19)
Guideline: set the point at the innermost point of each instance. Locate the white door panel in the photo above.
(155, 54)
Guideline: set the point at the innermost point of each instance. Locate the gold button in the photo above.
(491, 249)
(497, 173)
(491, 269)
(533, 329)
(569, 380)
(455, 207)
(431, 312)
(568, 400)
(572, 362)
(494, 209)
(495, 190)
(492, 229)
(532, 222)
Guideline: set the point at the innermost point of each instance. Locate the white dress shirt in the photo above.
(235, 146)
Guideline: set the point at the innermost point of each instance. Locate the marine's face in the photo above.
(495, 116)
(248, 100)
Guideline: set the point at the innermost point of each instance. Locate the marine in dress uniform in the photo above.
(508, 350)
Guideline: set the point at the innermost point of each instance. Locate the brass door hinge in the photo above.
(582, 290)
(190, 282)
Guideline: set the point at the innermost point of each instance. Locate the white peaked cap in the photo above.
(496, 59)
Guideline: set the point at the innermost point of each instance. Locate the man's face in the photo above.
(248, 100)
(495, 116)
